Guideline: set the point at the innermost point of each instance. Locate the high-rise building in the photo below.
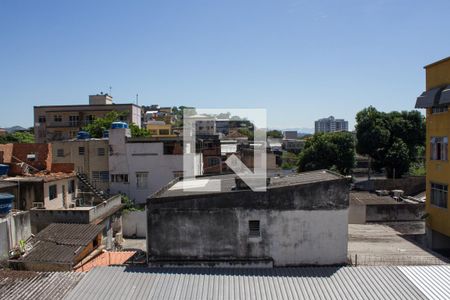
(330, 124)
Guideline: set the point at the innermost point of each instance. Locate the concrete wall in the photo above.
(287, 237)
(41, 218)
(357, 214)
(394, 212)
(134, 224)
(411, 185)
(13, 228)
(304, 225)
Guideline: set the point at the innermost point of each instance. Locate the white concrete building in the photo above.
(330, 124)
(140, 167)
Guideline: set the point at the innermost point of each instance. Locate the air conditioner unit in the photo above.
(38, 205)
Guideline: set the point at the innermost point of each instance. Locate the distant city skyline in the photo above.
(299, 60)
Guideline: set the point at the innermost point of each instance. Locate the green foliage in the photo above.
(397, 159)
(128, 205)
(328, 151)
(275, 134)
(136, 131)
(247, 132)
(17, 137)
(382, 135)
(99, 125)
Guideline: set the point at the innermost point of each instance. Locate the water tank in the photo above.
(6, 201)
(83, 135)
(116, 125)
(4, 170)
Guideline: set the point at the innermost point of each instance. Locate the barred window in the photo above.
(439, 195)
(439, 148)
(254, 229)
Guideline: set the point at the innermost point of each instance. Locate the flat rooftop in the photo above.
(367, 198)
(381, 245)
(226, 183)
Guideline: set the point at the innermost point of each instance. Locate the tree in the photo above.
(99, 125)
(23, 137)
(397, 159)
(275, 134)
(328, 151)
(378, 132)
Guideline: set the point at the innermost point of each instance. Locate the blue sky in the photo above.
(301, 60)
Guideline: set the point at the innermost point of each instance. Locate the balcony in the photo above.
(69, 124)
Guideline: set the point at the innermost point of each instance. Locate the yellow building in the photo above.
(435, 100)
(160, 129)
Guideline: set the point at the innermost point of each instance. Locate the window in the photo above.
(213, 161)
(89, 119)
(101, 151)
(52, 192)
(81, 150)
(74, 121)
(102, 176)
(119, 178)
(41, 119)
(57, 118)
(60, 153)
(254, 229)
(439, 195)
(31, 157)
(141, 180)
(177, 174)
(439, 148)
(71, 188)
(164, 131)
(439, 109)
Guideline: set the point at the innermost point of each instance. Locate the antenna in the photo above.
(110, 89)
(137, 99)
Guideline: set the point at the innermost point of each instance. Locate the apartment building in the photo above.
(90, 158)
(435, 99)
(62, 122)
(139, 167)
(330, 124)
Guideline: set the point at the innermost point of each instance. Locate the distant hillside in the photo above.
(15, 128)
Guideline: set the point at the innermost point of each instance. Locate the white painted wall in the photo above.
(58, 202)
(299, 237)
(134, 224)
(130, 158)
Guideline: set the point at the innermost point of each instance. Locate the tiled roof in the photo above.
(32, 285)
(285, 283)
(107, 259)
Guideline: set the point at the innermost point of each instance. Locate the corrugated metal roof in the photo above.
(285, 283)
(61, 243)
(32, 285)
(69, 234)
(434, 282)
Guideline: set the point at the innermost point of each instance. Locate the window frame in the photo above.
(60, 152)
(441, 190)
(139, 182)
(254, 228)
(81, 150)
(51, 193)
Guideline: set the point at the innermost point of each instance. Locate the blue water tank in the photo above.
(4, 170)
(116, 125)
(83, 135)
(6, 201)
